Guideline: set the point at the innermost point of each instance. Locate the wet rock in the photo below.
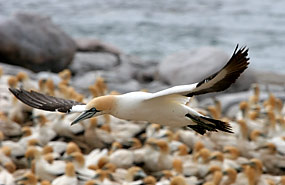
(90, 61)
(113, 80)
(148, 73)
(133, 68)
(230, 102)
(192, 66)
(94, 45)
(49, 75)
(125, 87)
(34, 42)
(154, 86)
(14, 70)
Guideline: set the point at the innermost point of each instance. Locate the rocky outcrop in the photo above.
(95, 45)
(90, 61)
(192, 66)
(131, 74)
(34, 42)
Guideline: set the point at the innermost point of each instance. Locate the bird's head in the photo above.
(97, 106)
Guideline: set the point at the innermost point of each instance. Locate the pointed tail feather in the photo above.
(218, 124)
(208, 124)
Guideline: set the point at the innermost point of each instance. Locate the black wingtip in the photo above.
(220, 125)
(44, 102)
(14, 91)
(204, 124)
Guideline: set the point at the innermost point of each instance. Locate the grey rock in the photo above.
(192, 66)
(125, 87)
(230, 102)
(134, 68)
(82, 82)
(14, 70)
(5, 98)
(154, 86)
(146, 75)
(34, 42)
(95, 45)
(49, 75)
(90, 61)
(113, 81)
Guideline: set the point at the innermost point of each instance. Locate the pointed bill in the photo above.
(84, 115)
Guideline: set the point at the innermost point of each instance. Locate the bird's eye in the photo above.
(93, 109)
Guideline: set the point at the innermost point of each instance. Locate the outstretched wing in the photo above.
(219, 81)
(44, 102)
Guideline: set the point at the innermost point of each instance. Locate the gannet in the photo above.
(167, 107)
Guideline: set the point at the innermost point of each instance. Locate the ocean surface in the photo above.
(153, 29)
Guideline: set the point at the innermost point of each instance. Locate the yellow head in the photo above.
(149, 180)
(217, 156)
(102, 104)
(10, 166)
(78, 158)
(97, 106)
(135, 173)
(232, 152)
(21, 76)
(178, 180)
(28, 179)
(183, 150)
(163, 146)
(12, 82)
(72, 147)
(69, 169)
(177, 165)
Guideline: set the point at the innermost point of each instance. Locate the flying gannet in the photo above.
(167, 107)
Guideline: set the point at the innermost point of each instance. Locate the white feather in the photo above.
(78, 108)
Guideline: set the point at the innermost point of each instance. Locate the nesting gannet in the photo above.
(68, 178)
(167, 107)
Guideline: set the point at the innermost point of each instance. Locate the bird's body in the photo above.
(167, 107)
(165, 110)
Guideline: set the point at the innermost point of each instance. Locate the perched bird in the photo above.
(167, 107)
(69, 177)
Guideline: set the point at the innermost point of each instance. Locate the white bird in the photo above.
(68, 178)
(6, 177)
(167, 107)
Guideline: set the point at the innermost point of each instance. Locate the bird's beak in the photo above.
(21, 179)
(84, 115)
(139, 175)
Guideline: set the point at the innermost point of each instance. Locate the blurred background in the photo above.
(154, 29)
(82, 49)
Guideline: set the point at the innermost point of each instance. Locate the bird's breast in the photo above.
(155, 111)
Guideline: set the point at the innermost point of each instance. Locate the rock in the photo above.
(154, 86)
(134, 68)
(132, 74)
(90, 61)
(82, 82)
(49, 75)
(266, 77)
(94, 45)
(230, 102)
(34, 42)
(5, 99)
(113, 81)
(14, 70)
(129, 86)
(193, 66)
(148, 72)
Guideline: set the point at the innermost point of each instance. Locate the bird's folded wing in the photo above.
(44, 102)
(219, 81)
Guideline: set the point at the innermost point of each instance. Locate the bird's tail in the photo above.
(208, 124)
